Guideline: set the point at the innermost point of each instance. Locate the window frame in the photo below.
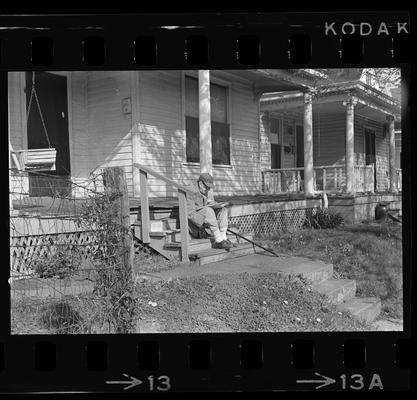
(217, 81)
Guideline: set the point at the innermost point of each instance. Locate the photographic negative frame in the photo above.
(103, 60)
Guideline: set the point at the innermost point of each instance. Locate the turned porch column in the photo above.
(204, 121)
(308, 144)
(350, 144)
(392, 166)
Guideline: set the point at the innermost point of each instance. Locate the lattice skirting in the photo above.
(24, 250)
(270, 222)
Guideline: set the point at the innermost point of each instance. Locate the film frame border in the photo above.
(173, 52)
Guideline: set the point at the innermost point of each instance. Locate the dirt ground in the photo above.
(237, 303)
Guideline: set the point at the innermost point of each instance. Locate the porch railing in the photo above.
(285, 180)
(399, 179)
(182, 192)
(364, 178)
(329, 177)
(291, 180)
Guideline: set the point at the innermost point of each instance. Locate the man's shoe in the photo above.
(222, 245)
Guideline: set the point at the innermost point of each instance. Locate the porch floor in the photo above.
(172, 202)
(47, 206)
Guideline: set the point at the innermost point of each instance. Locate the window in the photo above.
(274, 128)
(220, 130)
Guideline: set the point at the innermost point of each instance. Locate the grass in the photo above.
(244, 302)
(369, 253)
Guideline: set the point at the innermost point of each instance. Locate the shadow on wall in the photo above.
(165, 150)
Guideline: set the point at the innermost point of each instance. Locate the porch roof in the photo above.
(278, 80)
(332, 93)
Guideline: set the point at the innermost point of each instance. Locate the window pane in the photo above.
(220, 143)
(192, 143)
(218, 101)
(191, 97)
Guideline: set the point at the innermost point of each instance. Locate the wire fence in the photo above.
(70, 253)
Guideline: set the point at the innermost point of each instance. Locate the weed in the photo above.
(322, 218)
(60, 317)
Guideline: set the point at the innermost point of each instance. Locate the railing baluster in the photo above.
(182, 198)
(335, 178)
(144, 206)
(279, 181)
(293, 183)
(324, 178)
(298, 181)
(365, 178)
(314, 179)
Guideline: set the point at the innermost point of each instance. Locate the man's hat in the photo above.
(207, 179)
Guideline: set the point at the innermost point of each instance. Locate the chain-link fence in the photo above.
(70, 257)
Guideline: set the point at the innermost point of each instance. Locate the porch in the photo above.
(339, 139)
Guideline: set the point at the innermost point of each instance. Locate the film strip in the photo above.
(136, 92)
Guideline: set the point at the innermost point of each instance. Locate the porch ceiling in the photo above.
(332, 108)
(266, 81)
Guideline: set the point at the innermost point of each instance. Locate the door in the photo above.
(299, 137)
(51, 90)
(370, 155)
(275, 156)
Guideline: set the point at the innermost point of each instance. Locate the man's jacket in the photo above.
(196, 200)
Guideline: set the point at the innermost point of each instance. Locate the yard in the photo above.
(369, 253)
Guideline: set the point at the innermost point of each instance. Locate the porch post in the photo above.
(204, 121)
(308, 144)
(392, 169)
(350, 140)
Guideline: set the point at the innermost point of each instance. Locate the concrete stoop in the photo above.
(337, 290)
(341, 292)
(366, 309)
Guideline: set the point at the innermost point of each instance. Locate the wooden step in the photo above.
(337, 290)
(197, 245)
(159, 224)
(215, 255)
(169, 233)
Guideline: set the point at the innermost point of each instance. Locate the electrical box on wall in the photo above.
(126, 105)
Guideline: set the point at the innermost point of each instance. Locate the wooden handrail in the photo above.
(163, 178)
(183, 212)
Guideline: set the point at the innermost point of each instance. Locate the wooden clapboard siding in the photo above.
(160, 120)
(109, 130)
(162, 134)
(17, 112)
(265, 145)
(79, 141)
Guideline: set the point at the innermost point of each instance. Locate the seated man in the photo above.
(204, 212)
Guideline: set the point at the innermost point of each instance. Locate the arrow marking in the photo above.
(132, 383)
(324, 382)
